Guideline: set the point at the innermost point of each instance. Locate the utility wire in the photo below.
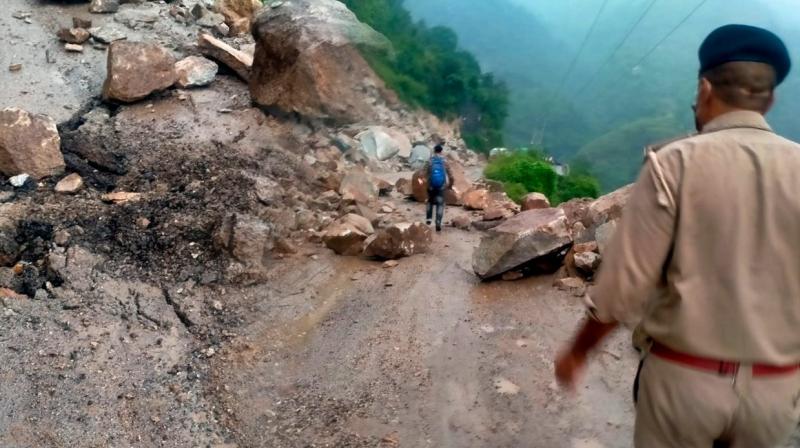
(660, 42)
(617, 48)
(574, 61)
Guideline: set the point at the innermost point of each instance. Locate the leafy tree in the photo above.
(428, 69)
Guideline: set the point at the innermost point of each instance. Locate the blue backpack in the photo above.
(438, 176)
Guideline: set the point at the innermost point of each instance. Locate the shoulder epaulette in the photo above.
(655, 147)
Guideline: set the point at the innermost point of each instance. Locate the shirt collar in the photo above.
(737, 119)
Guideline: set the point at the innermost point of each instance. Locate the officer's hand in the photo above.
(570, 366)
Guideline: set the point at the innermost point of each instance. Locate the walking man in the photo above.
(440, 178)
(707, 260)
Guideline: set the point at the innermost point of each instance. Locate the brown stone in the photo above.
(535, 201)
(403, 186)
(524, 238)
(29, 144)
(495, 213)
(307, 61)
(78, 22)
(453, 195)
(346, 236)
(609, 207)
(238, 61)
(419, 186)
(73, 35)
(476, 199)
(399, 240)
(587, 262)
(245, 238)
(137, 69)
(574, 285)
(238, 14)
(358, 186)
(511, 276)
(15, 67)
(462, 222)
(70, 184)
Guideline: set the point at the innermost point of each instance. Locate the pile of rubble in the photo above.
(210, 161)
(570, 239)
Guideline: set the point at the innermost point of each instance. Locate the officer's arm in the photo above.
(633, 266)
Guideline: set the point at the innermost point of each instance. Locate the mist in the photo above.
(600, 107)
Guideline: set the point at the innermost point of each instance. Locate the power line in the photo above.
(660, 42)
(617, 48)
(574, 61)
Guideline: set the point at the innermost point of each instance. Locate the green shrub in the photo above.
(524, 171)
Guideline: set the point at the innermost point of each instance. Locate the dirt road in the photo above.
(419, 355)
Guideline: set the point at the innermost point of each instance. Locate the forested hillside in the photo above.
(430, 70)
(624, 90)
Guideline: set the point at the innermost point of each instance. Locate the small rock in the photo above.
(104, 6)
(223, 29)
(386, 209)
(574, 285)
(142, 222)
(462, 222)
(587, 262)
(510, 276)
(209, 352)
(505, 387)
(120, 197)
(61, 238)
(108, 34)
(70, 184)
(535, 201)
(195, 71)
(217, 305)
(78, 22)
(74, 48)
(41, 294)
(15, 67)
(20, 180)
(73, 35)
(388, 264)
(6, 196)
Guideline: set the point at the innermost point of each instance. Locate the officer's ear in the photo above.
(705, 91)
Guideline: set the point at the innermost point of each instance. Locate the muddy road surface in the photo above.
(344, 352)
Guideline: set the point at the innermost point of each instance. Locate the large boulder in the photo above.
(404, 187)
(238, 14)
(137, 69)
(477, 199)
(419, 186)
(245, 238)
(420, 155)
(378, 143)
(358, 186)
(29, 144)
(609, 207)
(307, 61)
(519, 240)
(346, 236)
(535, 201)
(399, 240)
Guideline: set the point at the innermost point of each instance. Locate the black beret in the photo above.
(732, 43)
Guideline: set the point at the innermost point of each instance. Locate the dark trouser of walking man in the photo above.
(435, 197)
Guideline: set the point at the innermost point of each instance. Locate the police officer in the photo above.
(707, 261)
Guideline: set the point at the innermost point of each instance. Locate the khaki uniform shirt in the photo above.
(707, 254)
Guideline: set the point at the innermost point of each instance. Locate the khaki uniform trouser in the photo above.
(681, 407)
